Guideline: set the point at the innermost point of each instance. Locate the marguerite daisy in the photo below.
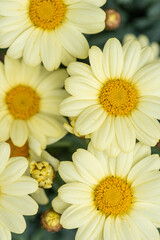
(49, 30)
(42, 167)
(111, 199)
(14, 199)
(29, 103)
(117, 99)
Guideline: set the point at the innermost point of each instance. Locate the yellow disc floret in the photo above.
(22, 102)
(18, 151)
(43, 172)
(118, 97)
(47, 14)
(113, 196)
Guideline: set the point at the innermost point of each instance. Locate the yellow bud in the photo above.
(113, 19)
(50, 221)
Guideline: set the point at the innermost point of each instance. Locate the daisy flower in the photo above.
(117, 98)
(106, 198)
(29, 103)
(144, 41)
(14, 199)
(41, 166)
(49, 30)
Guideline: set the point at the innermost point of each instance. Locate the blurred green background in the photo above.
(138, 17)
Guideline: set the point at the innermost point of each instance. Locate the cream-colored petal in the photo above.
(96, 61)
(31, 55)
(98, 3)
(59, 205)
(19, 132)
(150, 105)
(40, 196)
(4, 155)
(93, 230)
(88, 166)
(5, 125)
(132, 53)
(68, 172)
(104, 135)
(13, 220)
(4, 233)
(72, 106)
(123, 229)
(15, 168)
(149, 163)
(109, 228)
(50, 159)
(113, 59)
(72, 40)
(125, 133)
(146, 57)
(140, 151)
(7, 38)
(124, 164)
(77, 215)
(90, 119)
(86, 17)
(24, 205)
(113, 149)
(17, 47)
(24, 185)
(75, 193)
(79, 68)
(147, 129)
(51, 50)
(67, 58)
(146, 228)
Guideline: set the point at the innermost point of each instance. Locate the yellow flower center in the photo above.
(113, 196)
(47, 14)
(43, 172)
(18, 151)
(23, 102)
(118, 97)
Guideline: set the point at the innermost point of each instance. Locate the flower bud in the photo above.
(50, 221)
(113, 19)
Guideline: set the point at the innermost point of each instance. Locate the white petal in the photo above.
(90, 119)
(75, 193)
(72, 106)
(131, 59)
(69, 173)
(140, 151)
(145, 57)
(51, 50)
(24, 185)
(124, 164)
(59, 205)
(92, 230)
(7, 38)
(5, 124)
(123, 230)
(67, 58)
(98, 3)
(78, 68)
(125, 133)
(31, 53)
(88, 166)
(113, 59)
(150, 105)
(19, 132)
(109, 228)
(4, 233)
(4, 155)
(15, 168)
(77, 215)
(104, 135)
(12, 220)
(73, 41)
(24, 205)
(40, 196)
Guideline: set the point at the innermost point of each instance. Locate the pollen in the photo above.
(22, 102)
(113, 196)
(43, 172)
(18, 151)
(47, 14)
(118, 97)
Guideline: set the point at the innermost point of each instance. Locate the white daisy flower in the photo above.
(117, 98)
(42, 167)
(29, 103)
(49, 31)
(111, 199)
(144, 41)
(14, 199)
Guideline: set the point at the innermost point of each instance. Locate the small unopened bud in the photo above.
(113, 19)
(43, 172)
(50, 221)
